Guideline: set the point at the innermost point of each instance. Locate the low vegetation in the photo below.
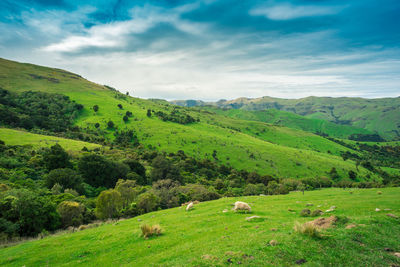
(208, 236)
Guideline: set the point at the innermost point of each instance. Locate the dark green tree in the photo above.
(110, 124)
(56, 157)
(67, 178)
(98, 171)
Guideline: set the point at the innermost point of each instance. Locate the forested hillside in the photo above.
(73, 152)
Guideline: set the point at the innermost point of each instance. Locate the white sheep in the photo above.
(239, 205)
(189, 206)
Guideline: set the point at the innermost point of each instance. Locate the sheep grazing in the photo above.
(189, 206)
(239, 205)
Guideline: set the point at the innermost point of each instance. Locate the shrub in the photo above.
(341, 220)
(95, 108)
(56, 158)
(254, 189)
(316, 213)
(305, 213)
(128, 191)
(199, 192)
(99, 171)
(71, 213)
(119, 106)
(109, 204)
(148, 202)
(110, 124)
(30, 211)
(66, 178)
(307, 229)
(148, 231)
(3, 187)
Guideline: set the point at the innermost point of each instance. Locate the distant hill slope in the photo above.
(291, 120)
(376, 115)
(17, 137)
(206, 236)
(250, 145)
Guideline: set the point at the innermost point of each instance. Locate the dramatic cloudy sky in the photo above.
(213, 49)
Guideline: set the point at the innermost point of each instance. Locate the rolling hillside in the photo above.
(381, 116)
(250, 145)
(18, 137)
(291, 120)
(207, 236)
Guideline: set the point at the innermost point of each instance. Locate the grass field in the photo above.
(206, 236)
(380, 115)
(250, 145)
(291, 120)
(16, 137)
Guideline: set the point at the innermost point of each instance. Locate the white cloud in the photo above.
(287, 11)
(114, 34)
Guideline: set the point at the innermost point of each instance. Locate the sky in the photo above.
(213, 49)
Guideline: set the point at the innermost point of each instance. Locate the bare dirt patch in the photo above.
(324, 223)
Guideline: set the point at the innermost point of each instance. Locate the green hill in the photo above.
(206, 236)
(291, 120)
(380, 116)
(254, 146)
(18, 137)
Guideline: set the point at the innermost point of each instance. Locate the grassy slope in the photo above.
(206, 230)
(291, 120)
(17, 137)
(287, 152)
(376, 115)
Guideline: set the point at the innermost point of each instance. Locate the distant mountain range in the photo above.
(380, 116)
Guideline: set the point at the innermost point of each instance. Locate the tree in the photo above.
(128, 113)
(168, 193)
(56, 157)
(164, 169)
(97, 125)
(108, 204)
(71, 213)
(254, 189)
(334, 174)
(32, 213)
(352, 175)
(149, 113)
(98, 171)
(135, 166)
(120, 106)
(110, 124)
(66, 178)
(128, 191)
(301, 187)
(95, 108)
(125, 118)
(148, 202)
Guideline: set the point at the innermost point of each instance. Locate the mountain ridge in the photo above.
(380, 115)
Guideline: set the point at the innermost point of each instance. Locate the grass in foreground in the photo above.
(207, 236)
